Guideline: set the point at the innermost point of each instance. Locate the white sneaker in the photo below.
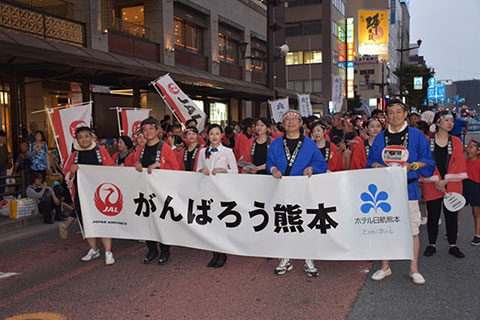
(284, 266)
(109, 260)
(424, 221)
(417, 278)
(91, 254)
(310, 268)
(439, 221)
(380, 274)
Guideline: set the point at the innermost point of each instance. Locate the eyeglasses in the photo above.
(291, 119)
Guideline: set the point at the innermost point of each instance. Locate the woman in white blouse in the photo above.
(214, 159)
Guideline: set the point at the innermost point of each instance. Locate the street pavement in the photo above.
(51, 283)
(451, 292)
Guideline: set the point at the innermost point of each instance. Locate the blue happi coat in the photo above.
(418, 151)
(308, 156)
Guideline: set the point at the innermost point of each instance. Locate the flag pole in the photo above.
(120, 129)
(48, 111)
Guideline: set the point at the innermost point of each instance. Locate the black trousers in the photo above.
(152, 247)
(434, 208)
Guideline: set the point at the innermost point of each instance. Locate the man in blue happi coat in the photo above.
(294, 155)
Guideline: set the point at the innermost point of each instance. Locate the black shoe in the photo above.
(429, 251)
(164, 258)
(213, 262)
(454, 251)
(222, 258)
(151, 257)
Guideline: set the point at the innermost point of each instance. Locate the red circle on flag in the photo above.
(108, 199)
(75, 125)
(172, 87)
(135, 127)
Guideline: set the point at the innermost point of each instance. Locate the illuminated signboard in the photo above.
(373, 32)
(350, 58)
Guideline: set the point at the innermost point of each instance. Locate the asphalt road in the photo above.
(451, 291)
(51, 283)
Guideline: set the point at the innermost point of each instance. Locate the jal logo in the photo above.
(136, 127)
(108, 199)
(172, 87)
(75, 125)
(373, 200)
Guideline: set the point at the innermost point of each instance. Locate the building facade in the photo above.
(57, 52)
(314, 31)
(375, 64)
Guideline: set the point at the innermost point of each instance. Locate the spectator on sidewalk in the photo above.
(22, 163)
(38, 154)
(4, 158)
(47, 200)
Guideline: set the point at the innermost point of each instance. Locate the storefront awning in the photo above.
(43, 59)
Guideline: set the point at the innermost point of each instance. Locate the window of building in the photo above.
(218, 112)
(199, 104)
(258, 65)
(367, 71)
(303, 57)
(133, 15)
(227, 48)
(312, 28)
(295, 3)
(340, 5)
(312, 57)
(187, 36)
(293, 58)
(305, 28)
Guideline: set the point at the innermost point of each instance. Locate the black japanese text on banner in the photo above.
(351, 215)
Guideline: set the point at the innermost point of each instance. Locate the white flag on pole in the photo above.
(278, 107)
(180, 104)
(337, 93)
(131, 120)
(64, 123)
(304, 104)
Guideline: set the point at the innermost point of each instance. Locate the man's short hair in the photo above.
(396, 102)
(150, 120)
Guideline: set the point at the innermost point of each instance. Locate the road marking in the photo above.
(4, 275)
(38, 316)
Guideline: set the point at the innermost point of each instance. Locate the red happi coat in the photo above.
(128, 162)
(473, 170)
(247, 157)
(181, 164)
(168, 161)
(241, 146)
(456, 172)
(106, 161)
(335, 159)
(359, 156)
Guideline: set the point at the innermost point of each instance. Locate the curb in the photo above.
(17, 224)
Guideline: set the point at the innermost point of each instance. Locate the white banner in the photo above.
(131, 120)
(337, 93)
(304, 105)
(349, 215)
(65, 122)
(278, 107)
(180, 104)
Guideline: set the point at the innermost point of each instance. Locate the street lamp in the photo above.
(402, 50)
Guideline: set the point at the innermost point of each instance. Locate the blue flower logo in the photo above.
(280, 106)
(375, 201)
